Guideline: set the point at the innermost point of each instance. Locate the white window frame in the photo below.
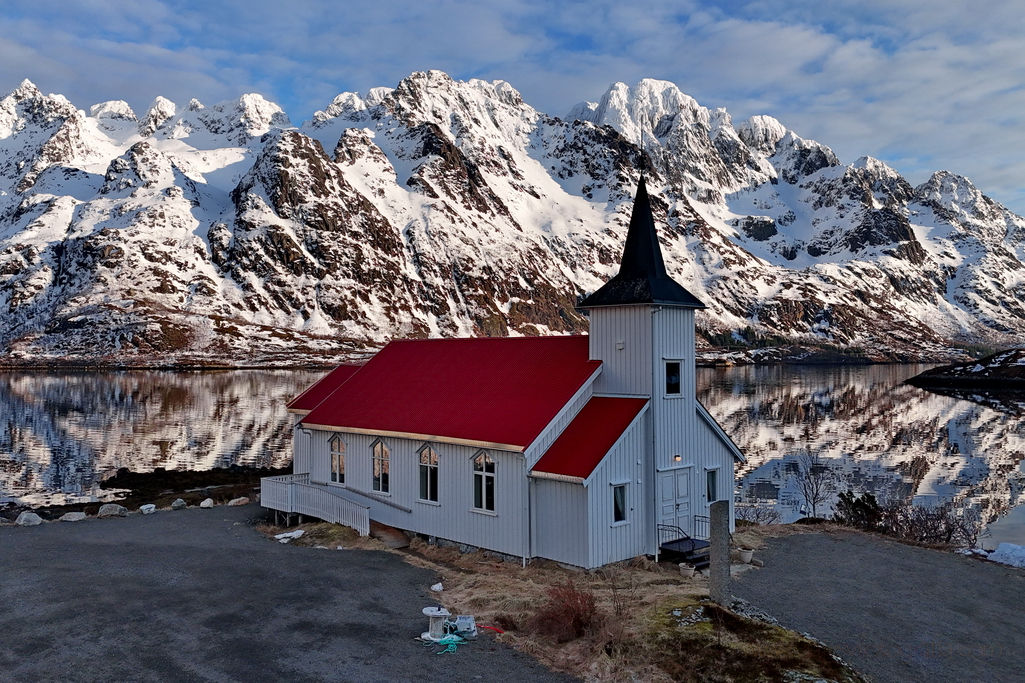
(620, 486)
(718, 485)
(679, 378)
(337, 448)
(380, 471)
(481, 479)
(425, 471)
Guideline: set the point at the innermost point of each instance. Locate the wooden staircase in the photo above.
(675, 545)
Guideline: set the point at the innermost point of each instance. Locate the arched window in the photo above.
(337, 459)
(484, 482)
(428, 474)
(381, 470)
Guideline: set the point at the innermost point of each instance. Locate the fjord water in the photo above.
(873, 434)
(62, 433)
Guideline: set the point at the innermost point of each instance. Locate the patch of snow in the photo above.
(1008, 553)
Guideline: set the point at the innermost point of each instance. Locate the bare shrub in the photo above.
(944, 525)
(862, 512)
(567, 614)
(758, 514)
(941, 525)
(814, 480)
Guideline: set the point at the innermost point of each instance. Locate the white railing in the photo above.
(294, 493)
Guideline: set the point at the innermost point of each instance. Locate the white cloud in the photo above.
(923, 85)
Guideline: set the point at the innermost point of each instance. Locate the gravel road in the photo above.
(897, 613)
(200, 595)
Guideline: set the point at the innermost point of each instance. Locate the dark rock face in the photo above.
(757, 228)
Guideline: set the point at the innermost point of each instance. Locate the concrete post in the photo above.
(719, 553)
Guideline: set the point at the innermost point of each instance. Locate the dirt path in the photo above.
(896, 613)
(201, 596)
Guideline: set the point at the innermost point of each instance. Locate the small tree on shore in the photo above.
(814, 480)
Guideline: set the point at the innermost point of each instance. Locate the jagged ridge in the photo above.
(224, 234)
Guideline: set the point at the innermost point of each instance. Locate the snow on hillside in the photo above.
(224, 234)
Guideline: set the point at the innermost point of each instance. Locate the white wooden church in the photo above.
(573, 449)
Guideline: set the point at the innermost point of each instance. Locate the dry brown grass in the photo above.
(624, 622)
(329, 536)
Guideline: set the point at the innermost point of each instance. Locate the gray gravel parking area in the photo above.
(200, 595)
(899, 614)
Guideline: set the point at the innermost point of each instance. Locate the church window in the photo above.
(381, 469)
(484, 482)
(428, 474)
(337, 460)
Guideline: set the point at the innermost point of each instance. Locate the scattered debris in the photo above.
(437, 588)
(289, 536)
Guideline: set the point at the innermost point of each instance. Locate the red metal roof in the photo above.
(325, 386)
(492, 390)
(590, 435)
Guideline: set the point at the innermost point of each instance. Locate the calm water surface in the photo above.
(873, 434)
(63, 433)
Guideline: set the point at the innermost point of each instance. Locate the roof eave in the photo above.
(417, 437)
(565, 478)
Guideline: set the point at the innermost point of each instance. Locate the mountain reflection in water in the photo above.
(874, 433)
(62, 433)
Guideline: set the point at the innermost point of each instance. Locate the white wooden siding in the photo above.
(560, 521)
(626, 370)
(716, 454)
(674, 416)
(626, 463)
(301, 448)
(452, 517)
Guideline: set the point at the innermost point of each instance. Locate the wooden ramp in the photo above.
(390, 536)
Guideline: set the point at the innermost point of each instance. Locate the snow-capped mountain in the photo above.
(439, 207)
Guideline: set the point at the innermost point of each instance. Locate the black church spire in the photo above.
(642, 277)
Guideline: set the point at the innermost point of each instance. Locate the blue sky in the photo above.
(921, 85)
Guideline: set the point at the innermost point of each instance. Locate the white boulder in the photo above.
(208, 503)
(112, 510)
(239, 501)
(72, 517)
(179, 504)
(28, 519)
(148, 509)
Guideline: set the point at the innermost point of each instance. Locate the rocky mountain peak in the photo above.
(762, 134)
(350, 105)
(238, 121)
(955, 199)
(114, 109)
(796, 158)
(25, 90)
(142, 166)
(643, 109)
(158, 112)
